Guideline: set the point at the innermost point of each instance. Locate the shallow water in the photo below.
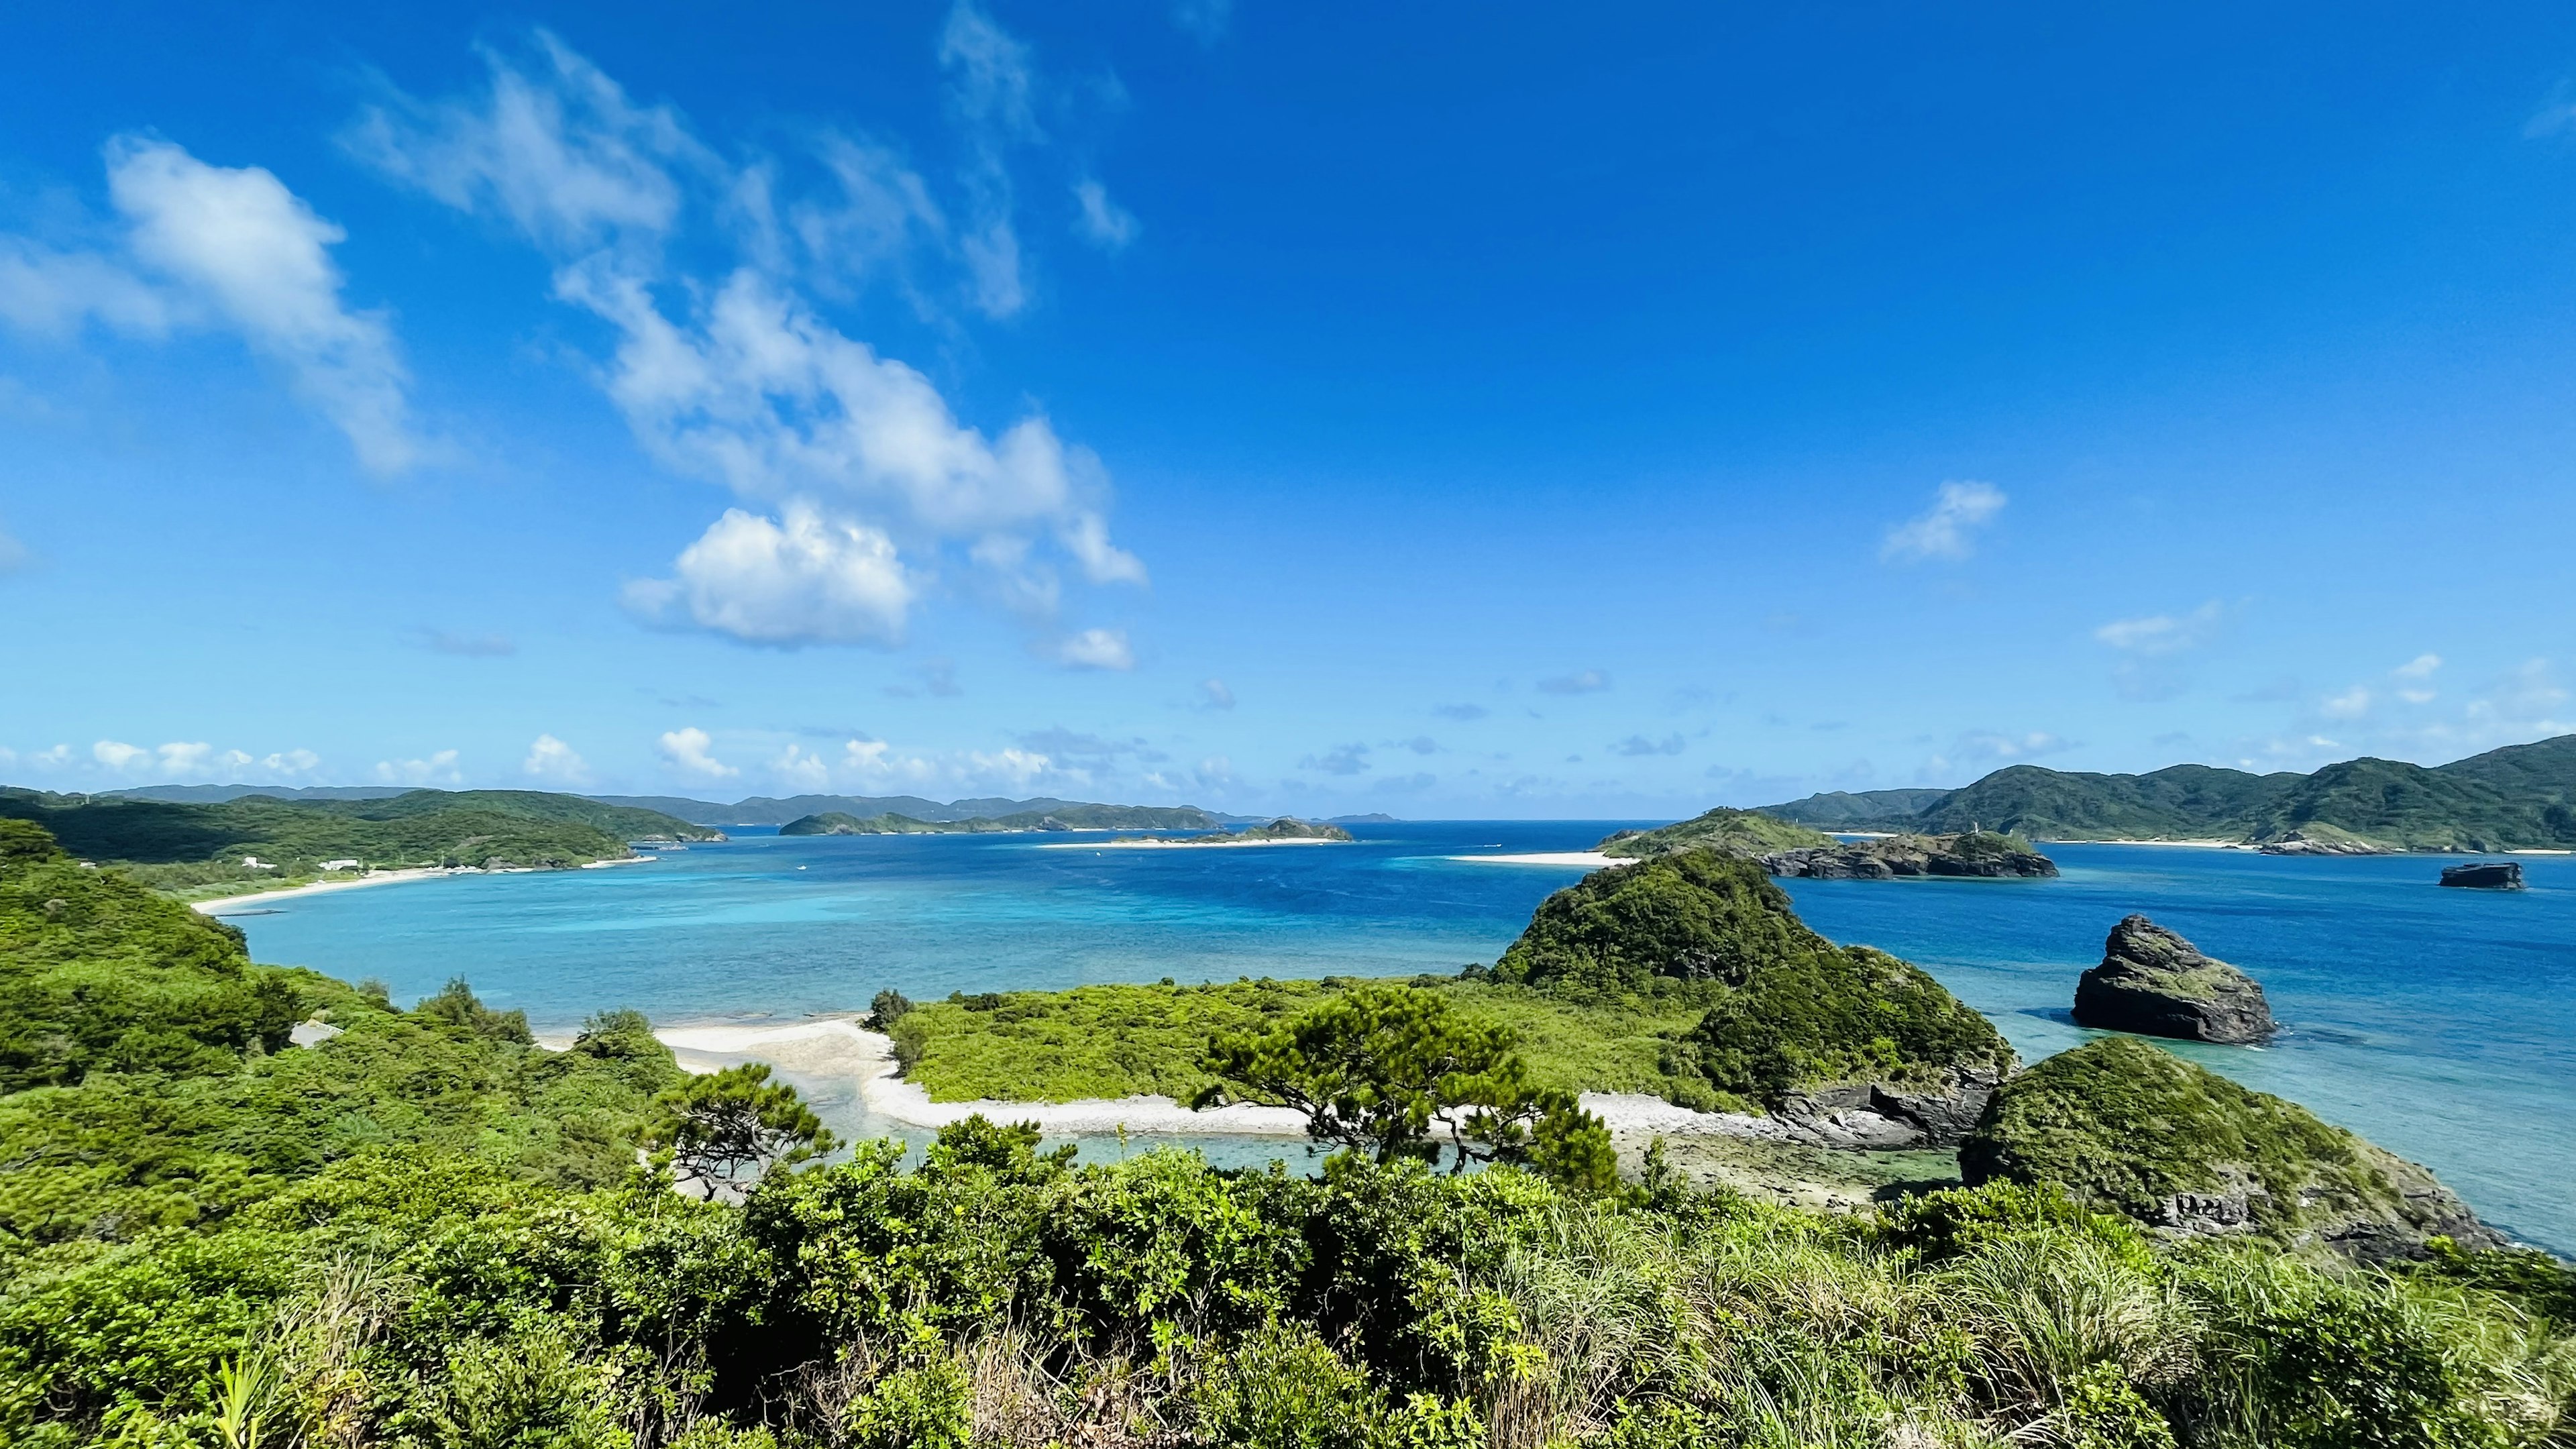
(2441, 1023)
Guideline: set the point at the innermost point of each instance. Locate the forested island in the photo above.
(1795, 850)
(260, 842)
(1065, 817)
(2521, 797)
(422, 1228)
(1285, 829)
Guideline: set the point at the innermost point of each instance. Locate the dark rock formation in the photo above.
(2485, 875)
(2154, 982)
(1972, 855)
(1880, 1117)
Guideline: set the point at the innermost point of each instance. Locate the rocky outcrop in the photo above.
(2485, 875)
(2125, 1127)
(1877, 1116)
(2323, 840)
(1970, 855)
(2155, 983)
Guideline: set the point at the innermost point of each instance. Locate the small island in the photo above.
(1795, 850)
(1067, 817)
(1286, 830)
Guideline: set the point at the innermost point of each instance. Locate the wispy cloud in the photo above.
(1460, 711)
(438, 768)
(851, 464)
(1214, 694)
(1101, 221)
(2163, 633)
(227, 249)
(1960, 510)
(464, 646)
(1635, 746)
(1582, 681)
(1096, 649)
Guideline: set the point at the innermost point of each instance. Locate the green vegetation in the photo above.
(2519, 796)
(199, 849)
(1384, 1069)
(1122, 1041)
(427, 1231)
(1736, 832)
(1787, 1010)
(1066, 817)
(2125, 1127)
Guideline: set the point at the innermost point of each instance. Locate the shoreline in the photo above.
(837, 1046)
(320, 887)
(1588, 859)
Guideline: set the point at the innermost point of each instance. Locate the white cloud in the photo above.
(2353, 703)
(227, 247)
(564, 155)
(438, 769)
(1104, 222)
(553, 760)
(1019, 767)
(1638, 745)
(2163, 633)
(990, 86)
(1096, 649)
(1585, 681)
(801, 768)
(737, 377)
(687, 749)
(2419, 667)
(119, 756)
(1948, 530)
(805, 580)
(1215, 694)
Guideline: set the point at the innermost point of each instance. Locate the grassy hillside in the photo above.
(1120, 1041)
(179, 845)
(2520, 796)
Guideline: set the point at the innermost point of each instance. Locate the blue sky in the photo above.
(1450, 410)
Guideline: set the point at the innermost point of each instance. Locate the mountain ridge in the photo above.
(2516, 797)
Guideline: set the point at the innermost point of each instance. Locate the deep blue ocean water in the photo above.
(2440, 1023)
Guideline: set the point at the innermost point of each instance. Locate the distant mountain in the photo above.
(2521, 796)
(1369, 819)
(763, 810)
(218, 794)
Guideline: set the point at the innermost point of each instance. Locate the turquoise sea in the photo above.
(2440, 1023)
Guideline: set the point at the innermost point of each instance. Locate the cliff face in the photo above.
(1968, 855)
(2156, 983)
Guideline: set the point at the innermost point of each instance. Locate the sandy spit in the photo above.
(1588, 859)
(222, 904)
(839, 1046)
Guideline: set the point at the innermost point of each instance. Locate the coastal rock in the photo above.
(2123, 1126)
(1975, 854)
(1878, 1117)
(2485, 875)
(2153, 982)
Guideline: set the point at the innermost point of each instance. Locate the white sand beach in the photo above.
(1588, 859)
(1186, 844)
(222, 904)
(840, 1047)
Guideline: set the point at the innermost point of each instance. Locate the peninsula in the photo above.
(1796, 850)
(1286, 830)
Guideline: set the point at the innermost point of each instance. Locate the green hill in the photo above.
(2519, 796)
(179, 845)
(1737, 832)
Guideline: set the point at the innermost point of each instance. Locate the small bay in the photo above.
(2440, 1023)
